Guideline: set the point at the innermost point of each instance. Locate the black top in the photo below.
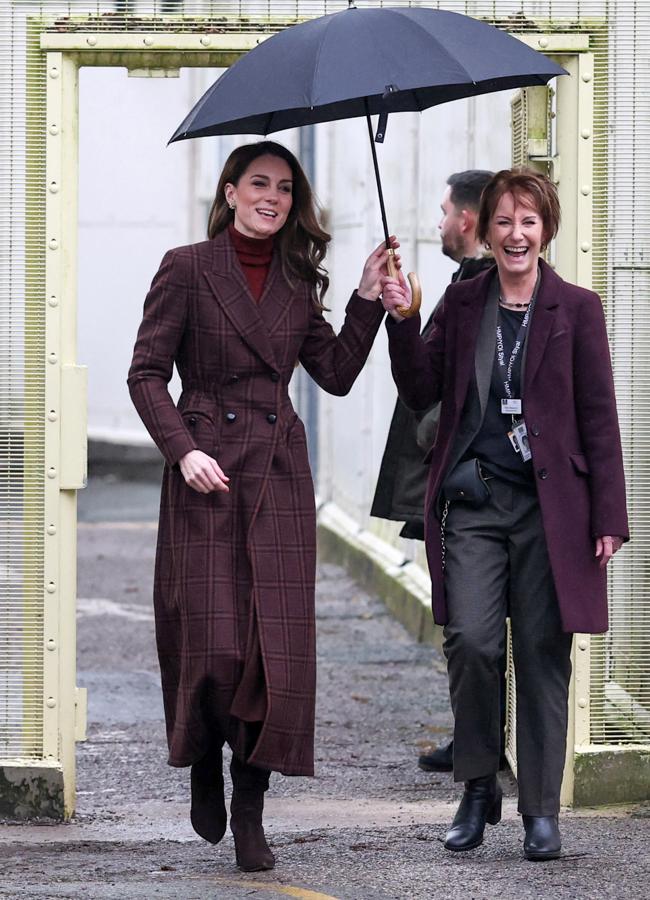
(492, 446)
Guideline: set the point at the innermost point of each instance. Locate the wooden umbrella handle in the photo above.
(416, 291)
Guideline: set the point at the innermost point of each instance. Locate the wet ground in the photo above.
(369, 826)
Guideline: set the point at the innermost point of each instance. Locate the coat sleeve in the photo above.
(156, 346)
(417, 362)
(335, 360)
(598, 421)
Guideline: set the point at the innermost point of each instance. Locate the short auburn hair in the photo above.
(527, 186)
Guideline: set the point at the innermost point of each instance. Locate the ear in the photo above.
(467, 221)
(229, 192)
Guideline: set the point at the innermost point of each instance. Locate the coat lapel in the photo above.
(275, 301)
(542, 322)
(475, 340)
(230, 288)
(484, 357)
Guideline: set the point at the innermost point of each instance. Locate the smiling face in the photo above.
(262, 197)
(515, 234)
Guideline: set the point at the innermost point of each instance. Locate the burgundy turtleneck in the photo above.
(254, 255)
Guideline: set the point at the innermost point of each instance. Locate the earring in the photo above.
(488, 246)
(231, 206)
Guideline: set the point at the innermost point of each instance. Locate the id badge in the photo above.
(511, 406)
(520, 435)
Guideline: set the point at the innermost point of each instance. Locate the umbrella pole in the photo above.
(416, 291)
(378, 178)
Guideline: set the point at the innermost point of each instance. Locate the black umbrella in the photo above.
(363, 62)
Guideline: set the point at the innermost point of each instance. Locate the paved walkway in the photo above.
(369, 826)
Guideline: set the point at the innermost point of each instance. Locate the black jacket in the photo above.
(402, 480)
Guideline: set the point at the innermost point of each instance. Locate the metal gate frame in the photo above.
(65, 381)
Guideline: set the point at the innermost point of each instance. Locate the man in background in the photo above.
(401, 485)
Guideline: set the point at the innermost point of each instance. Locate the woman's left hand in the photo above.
(375, 268)
(606, 547)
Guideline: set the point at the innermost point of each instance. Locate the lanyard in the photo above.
(506, 370)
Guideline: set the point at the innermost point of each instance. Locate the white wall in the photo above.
(137, 198)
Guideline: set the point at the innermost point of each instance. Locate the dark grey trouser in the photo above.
(497, 565)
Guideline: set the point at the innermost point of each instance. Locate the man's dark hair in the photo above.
(467, 187)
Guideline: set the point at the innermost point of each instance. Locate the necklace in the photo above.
(512, 304)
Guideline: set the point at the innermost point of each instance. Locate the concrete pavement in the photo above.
(369, 826)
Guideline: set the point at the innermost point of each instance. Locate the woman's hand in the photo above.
(375, 268)
(606, 547)
(395, 293)
(203, 473)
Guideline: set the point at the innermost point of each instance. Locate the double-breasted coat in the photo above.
(235, 566)
(570, 412)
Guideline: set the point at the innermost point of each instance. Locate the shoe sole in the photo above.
(543, 857)
(466, 847)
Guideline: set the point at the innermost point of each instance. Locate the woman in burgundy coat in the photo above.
(527, 486)
(235, 565)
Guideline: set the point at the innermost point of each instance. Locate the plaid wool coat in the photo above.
(231, 563)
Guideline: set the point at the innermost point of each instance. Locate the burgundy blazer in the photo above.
(570, 412)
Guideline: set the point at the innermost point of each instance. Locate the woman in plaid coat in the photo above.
(236, 556)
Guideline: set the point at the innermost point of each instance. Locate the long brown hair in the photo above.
(301, 241)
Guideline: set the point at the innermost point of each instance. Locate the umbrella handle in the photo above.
(416, 291)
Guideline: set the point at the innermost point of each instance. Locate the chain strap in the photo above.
(443, 545)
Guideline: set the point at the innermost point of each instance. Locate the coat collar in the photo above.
(254, 322)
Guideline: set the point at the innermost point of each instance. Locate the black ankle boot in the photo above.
(246, 809)
(481, 803)
(439, 760)
(208, 812)
(542, 839)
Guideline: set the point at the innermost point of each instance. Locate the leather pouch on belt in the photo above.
(466, 484)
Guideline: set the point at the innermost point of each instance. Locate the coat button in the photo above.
(231, 416)
(192, 420)
(271, 418)
(233, 379)
(275, 376)
(534, 430)
(542, 473)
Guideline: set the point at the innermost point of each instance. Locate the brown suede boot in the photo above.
(246, 808)
(208, 812)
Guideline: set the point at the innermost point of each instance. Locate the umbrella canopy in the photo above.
(363, 61)
(360, 62)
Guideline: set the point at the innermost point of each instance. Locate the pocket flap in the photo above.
(579, 463)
